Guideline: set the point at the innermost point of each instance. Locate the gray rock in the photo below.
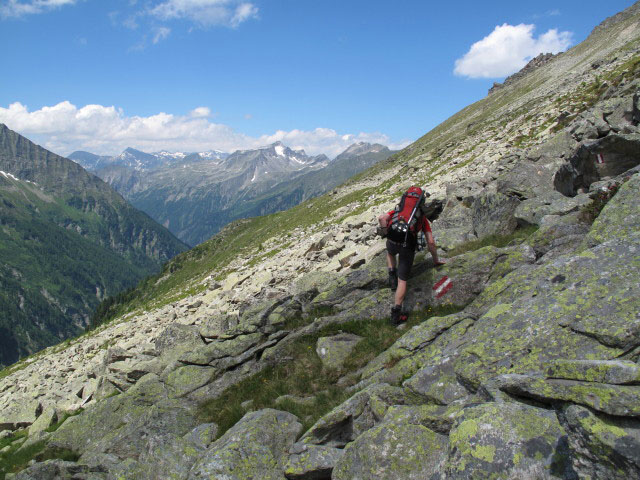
(437, 383)
(493, 214)
(61, 470)
(214, 327)
(602, 447)
(621, 400)
(505, 441)
(311, 462)
(20, 414)
(394, 449)
(531, 212)
(619, 153)
(620, 218)
(217, 349)
(202, 436)
(116, 354)
(334, 350)
(527, 179)
(618, 372)
(184, 337)
(124, 425)
(49, 416)
(355, 416)
(255, 447)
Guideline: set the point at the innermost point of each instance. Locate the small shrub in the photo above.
(591, 211)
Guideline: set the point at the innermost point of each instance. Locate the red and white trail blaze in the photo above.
(600, 158)
(443, 286)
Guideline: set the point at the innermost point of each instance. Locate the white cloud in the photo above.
(64, 128)
(229, 13)
(507, 49)
(160, 34)
(19, 8)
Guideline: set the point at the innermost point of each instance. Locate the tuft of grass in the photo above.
(17, 459)
(499, 241)
(304, 375)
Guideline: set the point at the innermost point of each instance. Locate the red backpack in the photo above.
(405, 217)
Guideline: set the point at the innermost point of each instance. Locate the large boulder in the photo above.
(399, 447)
(255, 447)
(532, 211)
(508, 441)
(335, 350)
(602, 447)
(124, 425)
(493, 214)
(355, 416)
(576, 307)
(620, 218)
(607, 157)
(312, 462)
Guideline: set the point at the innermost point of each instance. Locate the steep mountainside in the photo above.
(67, 242)
(266, 352)
(198, 195)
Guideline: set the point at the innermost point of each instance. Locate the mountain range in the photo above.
(67, 242)
(195, 195)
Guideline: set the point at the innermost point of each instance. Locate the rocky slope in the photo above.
(196, 195)
(535, 377)
(67, 242)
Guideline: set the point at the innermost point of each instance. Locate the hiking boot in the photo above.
(396, 313)
(393, 280)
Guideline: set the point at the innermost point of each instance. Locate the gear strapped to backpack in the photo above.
(406, 216)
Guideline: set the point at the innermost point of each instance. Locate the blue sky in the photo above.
(193, 75)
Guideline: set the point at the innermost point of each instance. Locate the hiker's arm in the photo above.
(433, 249)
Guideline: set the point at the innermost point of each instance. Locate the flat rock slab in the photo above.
(334, 350)
(616, 372)
(255, 447)
(20, 414)
(620, 400)
(602, 446)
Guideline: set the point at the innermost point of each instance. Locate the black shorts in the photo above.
(405, 260)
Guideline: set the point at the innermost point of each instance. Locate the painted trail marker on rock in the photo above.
(600, 158)
(443, 286)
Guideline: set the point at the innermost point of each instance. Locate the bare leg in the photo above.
(401, 291)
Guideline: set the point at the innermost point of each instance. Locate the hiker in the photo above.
(404, 227)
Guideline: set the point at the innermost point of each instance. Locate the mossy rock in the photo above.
(355, 416)
(619, 218)
(617, 372)
(255, 447)
(578, 307)
(399, 447)
(123, 425)
(621, 400)
(505, 441)
(308, 462)
(602, 446)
